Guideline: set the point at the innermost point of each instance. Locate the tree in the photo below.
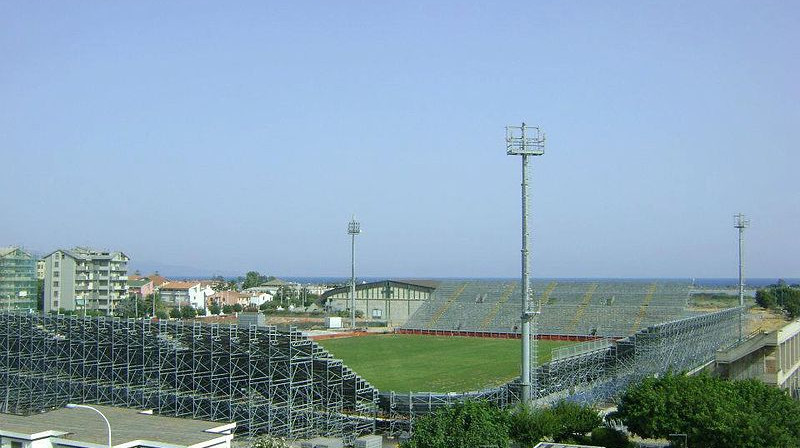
(712, 412)
(214, 309)
(161, 314)
(766, 299)
(40, 294)
(227, 309)
(565, 422)
(129, 306)
(574, 421)
(146, 305)
(468, 424)
(175, 313)
(218, 283)
(252, 279)
(529, 426)
(188, 312)
(782, 297)
(237, 307)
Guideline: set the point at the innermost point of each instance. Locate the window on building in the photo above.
(55, 264)
(55, 274)
(55, 284)
(15, 444)
(55, 294)
(376, 313)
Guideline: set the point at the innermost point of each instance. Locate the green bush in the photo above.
(269, 442)
(714, 413)
(782, 297)
(214, 309)
(468, 424)
(529, 427)
(574, 421)
(610, 438)
(188, 312)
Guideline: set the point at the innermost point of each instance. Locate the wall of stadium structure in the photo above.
(267, 381)
(592, 372)
(566, 309)
(284, 384)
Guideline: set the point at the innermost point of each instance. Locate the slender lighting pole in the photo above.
(525, 141)
(83, 406)
(741, 222)
(353, 229)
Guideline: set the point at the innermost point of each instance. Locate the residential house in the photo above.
(185, 293)
(223, 298)
(141, 287)
(259, 299)
(158, 281)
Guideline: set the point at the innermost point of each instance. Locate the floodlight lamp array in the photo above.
(524, 140)
(740, 221)
(354, 227)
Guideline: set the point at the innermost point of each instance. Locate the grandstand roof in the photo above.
(380, 284)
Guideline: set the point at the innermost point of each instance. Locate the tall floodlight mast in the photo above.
(353, 229)
(525, 141)
(741, 222)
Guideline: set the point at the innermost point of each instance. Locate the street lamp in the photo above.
(83, 406)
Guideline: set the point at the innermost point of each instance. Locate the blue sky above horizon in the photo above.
(225, 138)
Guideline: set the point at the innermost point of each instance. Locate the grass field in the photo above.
(403, 363)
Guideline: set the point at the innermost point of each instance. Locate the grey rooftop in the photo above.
(127, 425)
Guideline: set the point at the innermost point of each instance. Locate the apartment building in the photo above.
(83, 278)
(17, 279)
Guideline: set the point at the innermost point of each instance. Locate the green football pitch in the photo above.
(422, 363)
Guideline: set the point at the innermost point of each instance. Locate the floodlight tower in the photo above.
(525, 141)
(353, 229)
(741, 222)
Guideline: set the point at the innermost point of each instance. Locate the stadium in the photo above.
(606, 334)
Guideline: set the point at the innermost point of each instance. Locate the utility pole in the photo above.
(353, 229)
(741, 222)
(525, 141)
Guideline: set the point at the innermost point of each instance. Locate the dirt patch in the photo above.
(760, 319)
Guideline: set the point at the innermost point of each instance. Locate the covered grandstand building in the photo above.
(389, 301)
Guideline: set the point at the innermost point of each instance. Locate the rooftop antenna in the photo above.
(526, 141)
(741, 222)
(353, 229)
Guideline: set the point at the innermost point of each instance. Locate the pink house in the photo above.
(142, 287)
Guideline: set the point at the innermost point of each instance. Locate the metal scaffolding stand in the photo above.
(267, 381)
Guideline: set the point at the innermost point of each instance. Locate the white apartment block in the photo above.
(83, 278)
(179, 294)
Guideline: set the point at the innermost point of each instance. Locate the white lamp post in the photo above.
(83, 406)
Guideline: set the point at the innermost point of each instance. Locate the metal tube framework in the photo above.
(267, 381)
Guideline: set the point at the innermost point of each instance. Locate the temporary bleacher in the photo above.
(567, 308)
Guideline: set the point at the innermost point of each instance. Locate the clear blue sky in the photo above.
(227, 136)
